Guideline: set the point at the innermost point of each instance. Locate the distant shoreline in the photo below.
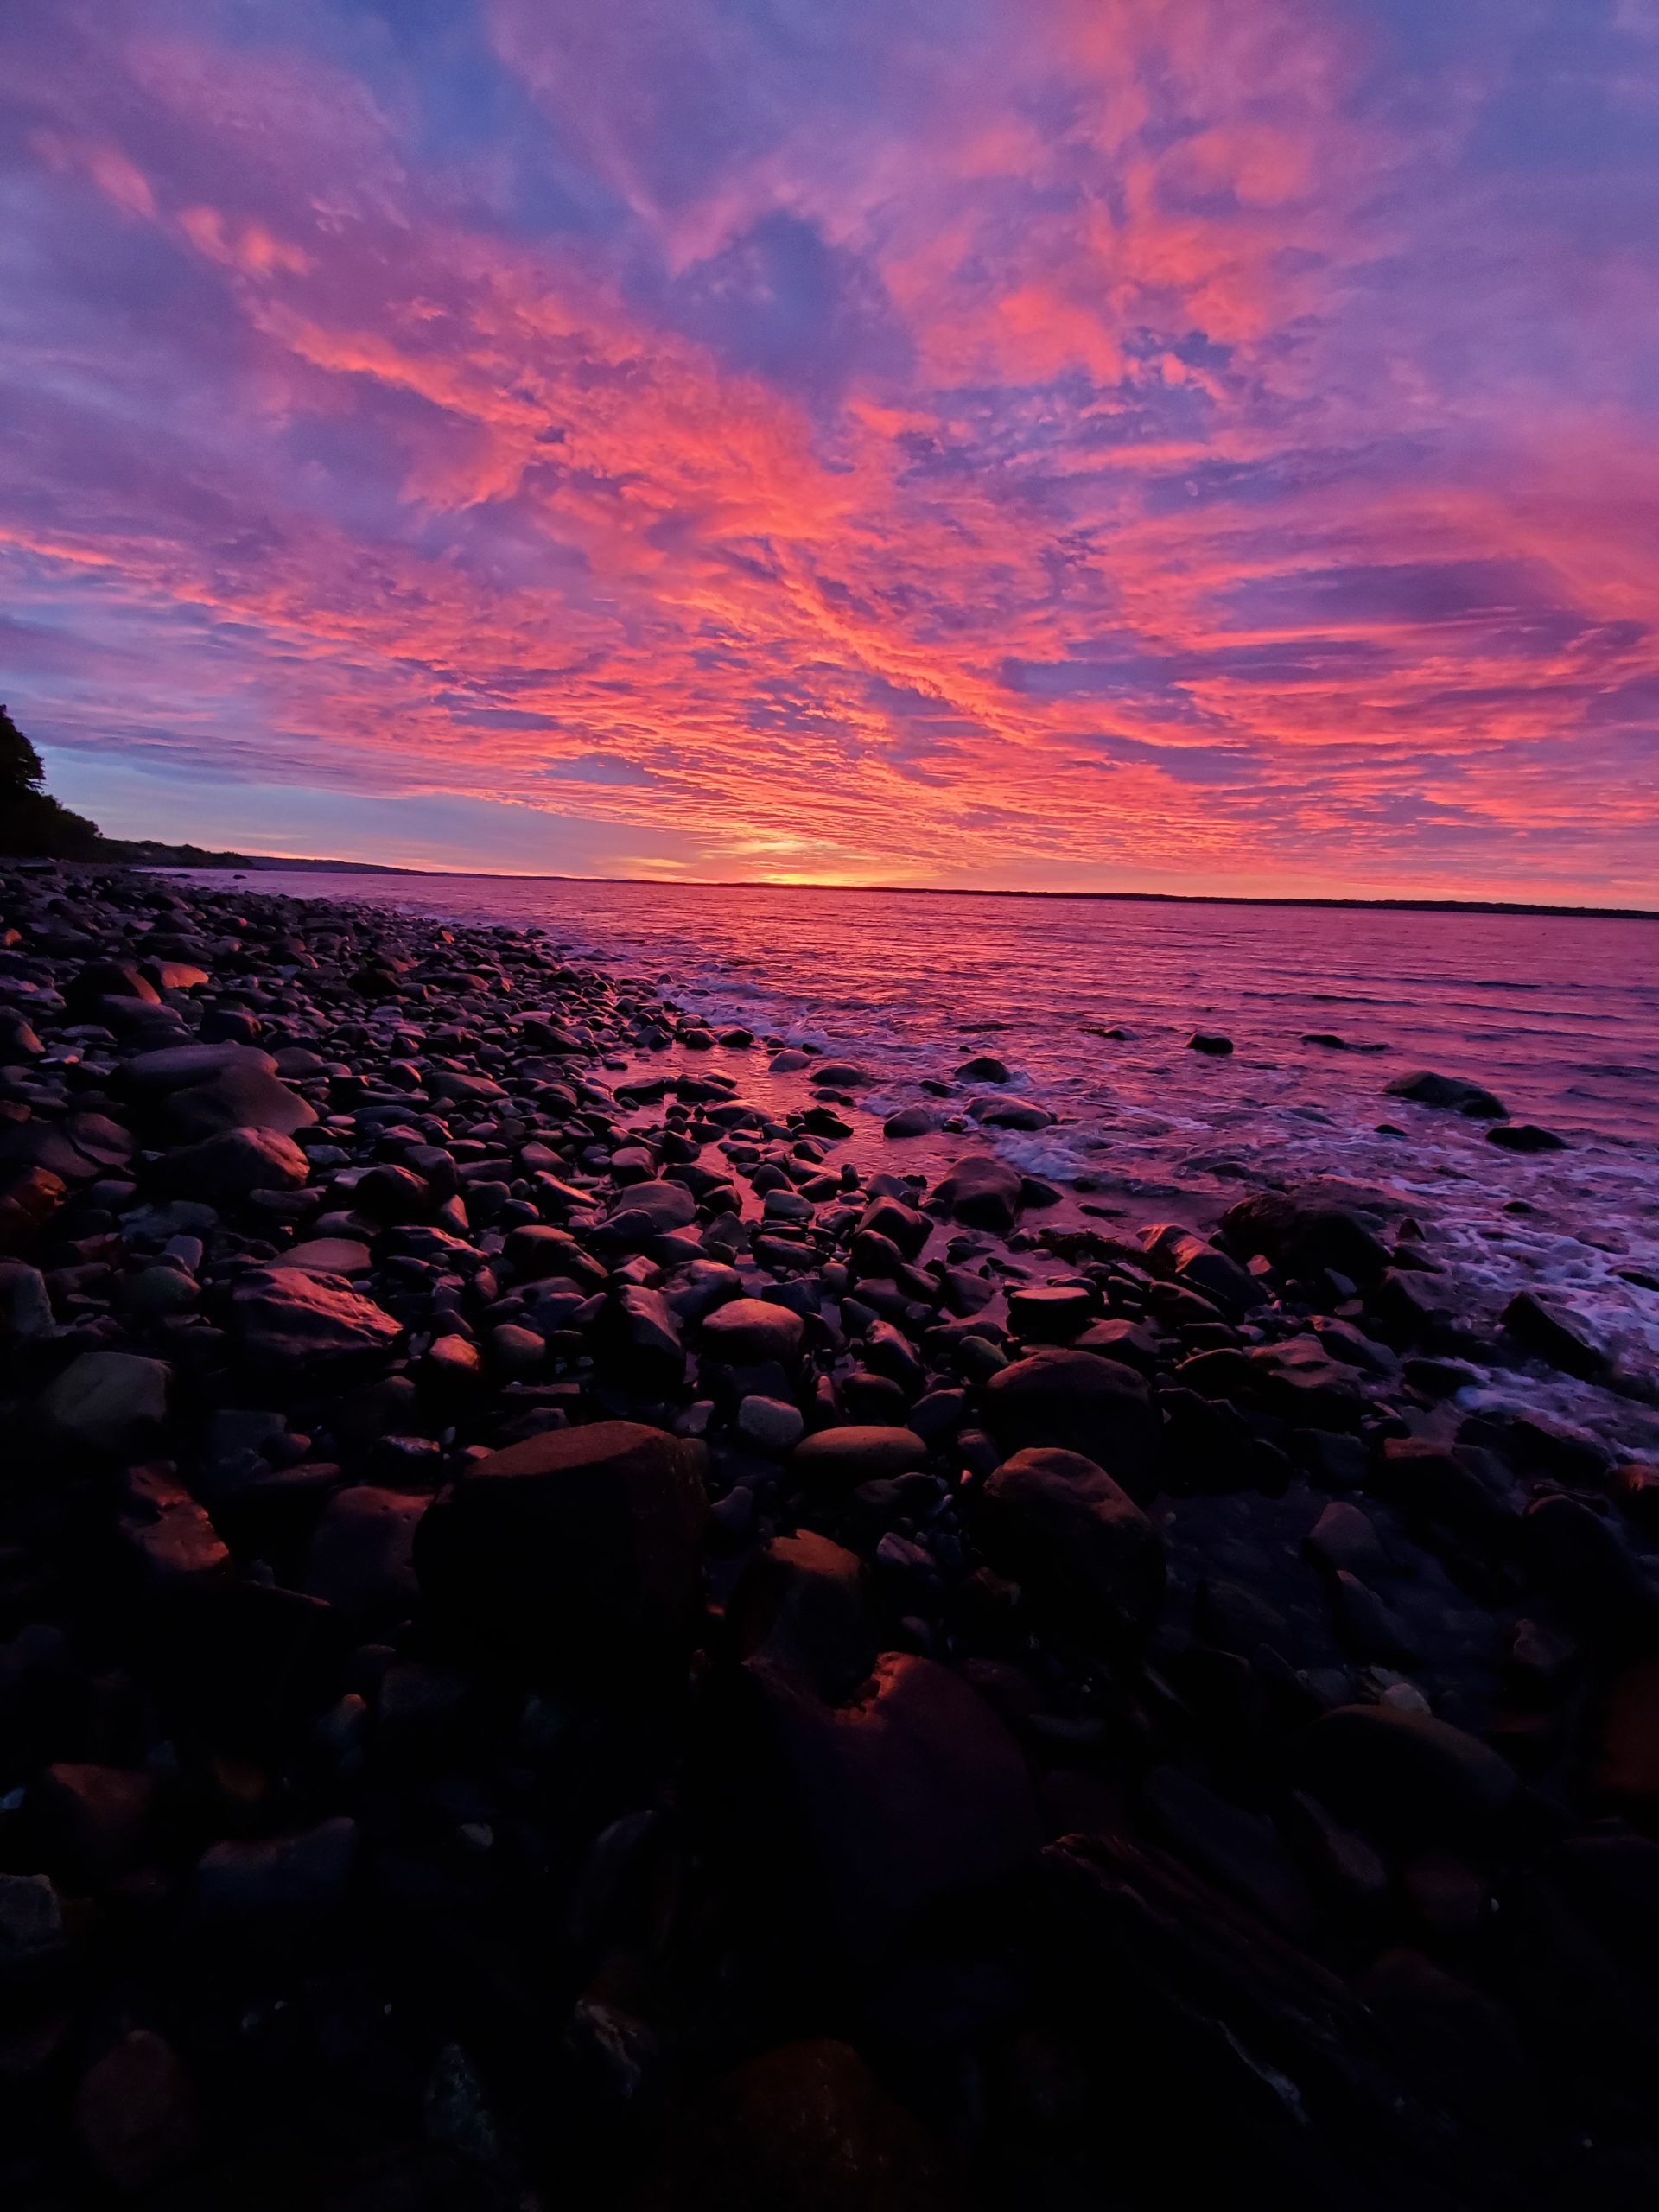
(271, 864)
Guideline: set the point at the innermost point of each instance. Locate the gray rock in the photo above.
(108, 1400)
(286, 1319)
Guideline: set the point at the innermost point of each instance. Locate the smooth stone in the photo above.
(1554, 1336)
(1304, 1234)
(136, 2111)
(1395, 1773)
(1525, 1136)
(802, 1604)
(745, 1331)
(771, 1425)
(110, 1401)
(912, 1121)
(574, 1551)
(236, 1163)
(983, 1192)
(285, 1878)
(840, 1458)
(1211, 1041)
(1078, 1401)
(1058, 1520)
(984, 1067)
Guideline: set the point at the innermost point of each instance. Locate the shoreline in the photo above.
(268, 864)
(591, 1569)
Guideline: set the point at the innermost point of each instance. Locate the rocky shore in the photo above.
(563, 1645)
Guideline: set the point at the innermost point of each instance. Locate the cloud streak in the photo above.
(946, 441)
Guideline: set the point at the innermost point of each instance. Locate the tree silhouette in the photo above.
(32, 822)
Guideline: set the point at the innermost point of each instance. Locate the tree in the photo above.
(32, 822)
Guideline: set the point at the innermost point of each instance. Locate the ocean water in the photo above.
(1559, 1015)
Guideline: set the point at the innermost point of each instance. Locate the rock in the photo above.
(912, 1793)
(327, 1255)
(984, 1067)
(641, 1336)
(1236, 1848)
(194, 1091)
(840, 1458)
(285, 1318)
(1050, 1313)
(574, 1551)
(983, 1190)
(170, 1533)
(912, 1121)
(361, 1557)
(746, 1331)
(1078, 1401)
(136, 2111)
(771, 1425)
(1404, 1774)
(1525, 1136)
(1304, 1234)
(839, 1075)
(107, 1400)
(29, 1195)
(1211, 1041)
(1554, 1336)
(804, 2128)
(287, 1878)
(230, 1167)
(801, 1606)
(664, 1206)
(1058, 1521)
(25, 1304)
(93, 1821)
(1450, 1093)
(1009, 1114)
(31, 1923)
(1344, 1538)
(536, 1251)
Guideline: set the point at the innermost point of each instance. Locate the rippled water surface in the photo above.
(1559, 1015)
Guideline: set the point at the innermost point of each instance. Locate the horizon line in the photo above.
(275, 863)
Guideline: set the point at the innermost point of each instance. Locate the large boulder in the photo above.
(573, 1552)
(802, 1604)
(1405, 1775)
(1304, 1234)
(1056, 1520)
(1078, 1401)
(361, 1555)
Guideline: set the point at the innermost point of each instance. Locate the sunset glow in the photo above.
(1187, 444)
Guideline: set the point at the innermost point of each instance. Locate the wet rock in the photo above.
(1451, 1094)
(1525, 1136)
(189, 1092)
(1304, 1234)
(29, 1195)
(1078, 1401)
(327, 1255)
(912, 1121)
(1210, 1041)
(574, 1550)
(32, 1933)
(984, 1067)
(536, 1251)
(287, 1320)
(1058, 1521)
(983, 1190)
(136, 2111)
(107, 1400)
(1554, 1336)
(771, 1425)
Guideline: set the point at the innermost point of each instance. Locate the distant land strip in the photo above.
(143, 852)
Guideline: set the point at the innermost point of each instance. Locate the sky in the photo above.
(1174, 444)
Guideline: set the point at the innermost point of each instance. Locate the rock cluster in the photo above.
(560, 1645)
